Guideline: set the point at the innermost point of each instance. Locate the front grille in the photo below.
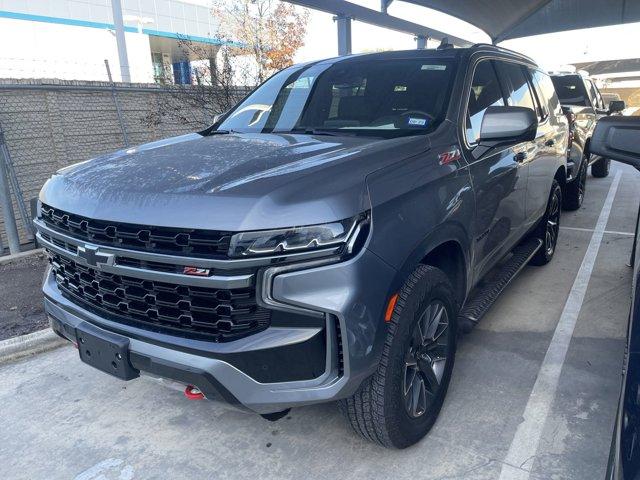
(215, 314)
(173, 241)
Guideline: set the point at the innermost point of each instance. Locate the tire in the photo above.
(548, 228)
(575, 190)
(600, 167)
(385, 410)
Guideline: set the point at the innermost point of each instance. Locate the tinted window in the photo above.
(359, 97)
(516, 85)
(596, 99)
(485, 93)
(547, 92)
(570, 90)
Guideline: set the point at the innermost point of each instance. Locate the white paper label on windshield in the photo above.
(421, 122)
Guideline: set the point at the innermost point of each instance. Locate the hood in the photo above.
(228, 182)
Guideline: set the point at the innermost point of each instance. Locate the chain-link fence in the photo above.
(49, 124)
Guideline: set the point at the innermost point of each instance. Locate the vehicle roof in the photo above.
(442, 53)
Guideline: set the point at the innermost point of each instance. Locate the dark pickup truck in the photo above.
(323, 240)
(583, 105)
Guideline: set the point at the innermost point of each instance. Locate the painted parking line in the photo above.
(591, 230)
(519, 459)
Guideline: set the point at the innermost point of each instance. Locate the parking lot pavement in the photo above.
(62, 419)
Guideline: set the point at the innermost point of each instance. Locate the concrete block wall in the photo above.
(50, 124)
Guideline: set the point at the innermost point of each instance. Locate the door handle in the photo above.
(520, 157)
(550, 143)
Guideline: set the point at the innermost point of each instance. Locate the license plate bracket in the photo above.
(106, 351)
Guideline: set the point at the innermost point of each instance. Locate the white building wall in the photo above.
(31, 49)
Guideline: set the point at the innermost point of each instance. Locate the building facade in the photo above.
(71, 39)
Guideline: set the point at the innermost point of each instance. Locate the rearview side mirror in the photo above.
(616, 106)
(618, 138)
(502, 125)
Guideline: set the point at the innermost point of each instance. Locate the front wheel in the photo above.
(600, 167)
(549, 227)
(400, 402)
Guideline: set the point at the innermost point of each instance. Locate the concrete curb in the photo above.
(30, 344)
(5, 259)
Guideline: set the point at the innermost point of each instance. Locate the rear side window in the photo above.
(515, 84)
(596, 100)
(485, 93)
(570, 89)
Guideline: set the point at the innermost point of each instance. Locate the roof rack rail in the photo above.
(507, 50)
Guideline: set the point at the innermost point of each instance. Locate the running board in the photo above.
(485, 295)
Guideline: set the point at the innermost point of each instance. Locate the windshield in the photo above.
(386, 98)
(570, 89)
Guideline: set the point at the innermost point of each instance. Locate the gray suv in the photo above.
(324, 240)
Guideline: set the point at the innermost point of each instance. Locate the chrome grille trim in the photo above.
(214, 281)
(216, 264)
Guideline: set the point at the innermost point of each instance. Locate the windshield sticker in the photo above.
(420, 122)
(400, 88)
(430, 66)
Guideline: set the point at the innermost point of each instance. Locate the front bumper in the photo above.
(347, 297)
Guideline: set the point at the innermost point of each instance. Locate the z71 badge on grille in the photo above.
(195, 271)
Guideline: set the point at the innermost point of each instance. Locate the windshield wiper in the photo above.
(222, 132)
(320, 131)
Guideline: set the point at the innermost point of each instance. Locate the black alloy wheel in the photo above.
(548, 228)
(425, 359)
(553, 225)
(582, 184)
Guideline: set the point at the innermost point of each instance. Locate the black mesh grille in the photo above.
(217, 314)
(173, 241)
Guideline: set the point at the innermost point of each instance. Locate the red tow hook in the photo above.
(193, 393)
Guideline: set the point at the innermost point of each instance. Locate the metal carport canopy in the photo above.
(347, 11)
(506, 19)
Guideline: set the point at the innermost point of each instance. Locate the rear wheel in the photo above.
(600, 167)
(574, 191)
(548, 228)
(399, 404)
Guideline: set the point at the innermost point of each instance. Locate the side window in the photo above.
(544, 83)
(485, 92)
(512, 76)
(541, 102)
(599, 97)
(591, 89)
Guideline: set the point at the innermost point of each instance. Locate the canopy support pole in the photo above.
(344, 34)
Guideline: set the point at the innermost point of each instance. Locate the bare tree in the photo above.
(217, 85)
(257, 38)
(270, 31)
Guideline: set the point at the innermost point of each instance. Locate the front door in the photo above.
(499, 177)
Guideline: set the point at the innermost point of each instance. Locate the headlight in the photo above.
(298, 239)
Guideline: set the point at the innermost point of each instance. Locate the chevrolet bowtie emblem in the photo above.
(93, 257)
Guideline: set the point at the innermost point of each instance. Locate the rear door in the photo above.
(499, 178)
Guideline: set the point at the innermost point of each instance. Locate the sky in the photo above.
(552, 51)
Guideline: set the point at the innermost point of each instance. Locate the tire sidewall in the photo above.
(554, 190)
(403, 429)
